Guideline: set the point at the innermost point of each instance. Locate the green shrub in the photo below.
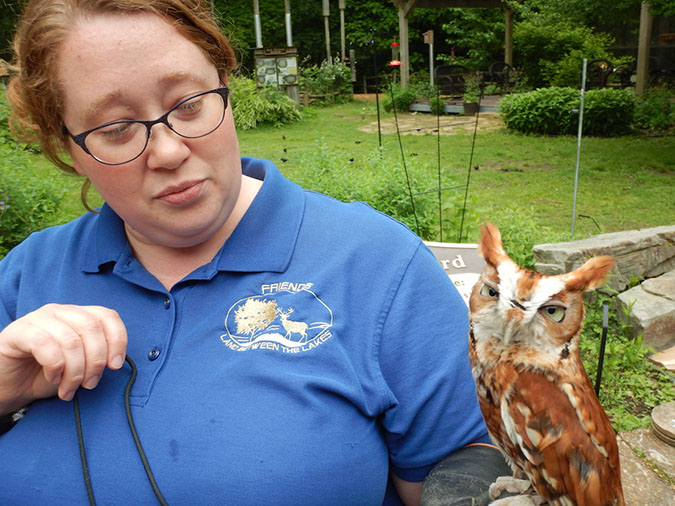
(402, 98)
(253, 106)
(654, 111)
(382, 184)
(550, 53)
(27, 202)
(543, 111)
(551, 111)
(437, 105)
(608, 112)
(331, 80)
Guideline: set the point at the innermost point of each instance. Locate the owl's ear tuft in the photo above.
(490, 245)
(589, 276)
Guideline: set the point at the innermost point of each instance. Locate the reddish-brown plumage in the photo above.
(535, 396)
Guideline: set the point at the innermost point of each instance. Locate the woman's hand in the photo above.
(55, 350)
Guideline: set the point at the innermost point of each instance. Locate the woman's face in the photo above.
(179, 192)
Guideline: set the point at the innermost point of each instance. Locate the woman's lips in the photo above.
(182, 194)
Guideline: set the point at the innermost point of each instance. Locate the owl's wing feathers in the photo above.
(566, 438)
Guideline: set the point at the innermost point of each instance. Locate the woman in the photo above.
(290, 349)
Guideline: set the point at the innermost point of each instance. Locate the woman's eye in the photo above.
(488, 291)
(555, 313)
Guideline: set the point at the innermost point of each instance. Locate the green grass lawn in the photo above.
(524, 184)
(624, 183)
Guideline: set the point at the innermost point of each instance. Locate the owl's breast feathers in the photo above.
(553, 429)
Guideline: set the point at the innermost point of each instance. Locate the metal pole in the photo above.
(289, 31)
(581, 124)
(256, 20)
(326, 15)
(431, 64)
(603, 342)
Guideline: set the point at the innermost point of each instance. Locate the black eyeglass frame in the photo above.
(80, 138)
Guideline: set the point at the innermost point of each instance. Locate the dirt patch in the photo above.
(415, 123)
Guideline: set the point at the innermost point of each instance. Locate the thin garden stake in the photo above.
(581, 122)
(377, 88)
(601, 358)
(438, 150)
(468, 174)
(405, 168)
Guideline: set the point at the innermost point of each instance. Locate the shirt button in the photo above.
(153, 354)
(167, 303)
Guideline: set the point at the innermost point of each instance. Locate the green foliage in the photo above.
(543, 111)
(608, 112)
(551, 53)
(631, 386)
(655, 110)
(402, 98)
(472, 90)
(253, 106)
(550, 111)
(437, 105)
(331, 80)
(27, 202)
(480, 32)
(382, 184)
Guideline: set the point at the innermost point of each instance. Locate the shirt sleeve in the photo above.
(423, 358)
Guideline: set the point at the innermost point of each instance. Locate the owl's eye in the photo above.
(488, 291)
(555, 313)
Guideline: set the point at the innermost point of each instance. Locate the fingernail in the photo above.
(91, 382)
(69, 396)
(117, 361)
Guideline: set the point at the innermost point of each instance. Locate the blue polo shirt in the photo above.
(320, 348)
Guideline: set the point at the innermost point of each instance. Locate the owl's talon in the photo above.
(510, 485)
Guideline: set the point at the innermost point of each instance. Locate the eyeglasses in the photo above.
(122, 141)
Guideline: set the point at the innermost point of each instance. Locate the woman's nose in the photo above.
(166, 149)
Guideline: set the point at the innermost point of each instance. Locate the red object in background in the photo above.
(394, 63)
(394, 44)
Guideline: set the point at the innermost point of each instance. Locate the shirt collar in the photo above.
(264, 239)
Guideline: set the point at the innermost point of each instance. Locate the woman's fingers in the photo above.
(71, 344)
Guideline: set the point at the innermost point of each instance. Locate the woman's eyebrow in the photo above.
(101, 104)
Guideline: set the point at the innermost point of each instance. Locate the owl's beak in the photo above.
(509, 330)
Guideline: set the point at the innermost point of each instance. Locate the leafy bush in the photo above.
(437, 105)
(550, 53)
(654, 111)
(402, 98)
(608, 112)
(383, 186)
(543, 111)
(331, 80)
(253, 106)
(551, 111)
(27, 202)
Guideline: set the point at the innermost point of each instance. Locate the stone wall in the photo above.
(646, 256)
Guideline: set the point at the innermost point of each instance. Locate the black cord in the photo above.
(405, 167)
(134, 434)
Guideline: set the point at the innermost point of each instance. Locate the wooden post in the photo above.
(644, 41)
(403, 47)
(343, 46)
(326, 15)
(289, 31)
(256, 21)
(508, 36)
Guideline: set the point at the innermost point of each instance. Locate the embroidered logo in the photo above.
(286, 317)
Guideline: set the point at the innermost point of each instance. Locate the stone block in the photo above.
(652, 310)
(640, 254)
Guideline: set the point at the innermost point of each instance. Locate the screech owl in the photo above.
(536, 398)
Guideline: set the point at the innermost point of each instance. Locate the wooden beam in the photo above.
(644, 41)
(508, 36)
(404, 53)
